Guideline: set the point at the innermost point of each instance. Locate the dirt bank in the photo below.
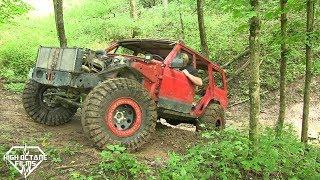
(69, 146)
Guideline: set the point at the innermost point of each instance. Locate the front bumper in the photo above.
(59, 78)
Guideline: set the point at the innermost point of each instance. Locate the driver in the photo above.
(190, 71)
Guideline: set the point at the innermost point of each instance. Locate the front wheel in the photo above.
(42, 107)
(119, 111)
(212, 119)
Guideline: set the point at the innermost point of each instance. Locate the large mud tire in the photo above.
(100, 110)
(212, 119)
(32, 99)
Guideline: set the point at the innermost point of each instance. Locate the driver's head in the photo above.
(185, 59)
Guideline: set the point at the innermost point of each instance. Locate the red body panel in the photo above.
(213, 93)
(152, 73)
(176, 86)
(162, 81)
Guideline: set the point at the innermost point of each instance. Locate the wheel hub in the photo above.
(123, 117)
(47, 99)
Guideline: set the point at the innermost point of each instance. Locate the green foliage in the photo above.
(225, 156)
(317, 66)
(15, 87)
(54, 154)
(116, 163)
(72, 149)
(95, 23)
(221, 155)
(6, 170)
(149, 3)
(78, 176)
(11, 8)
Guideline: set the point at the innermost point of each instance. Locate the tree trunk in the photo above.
(202, 30)
(133, 9)
(306, 98)
(182, 36)
(165, 4)
(58, 11)
(134, 16)
(254, 85)
(283, 67)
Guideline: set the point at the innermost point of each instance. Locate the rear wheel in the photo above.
(119, 111)
(42, 107)
(212, 119)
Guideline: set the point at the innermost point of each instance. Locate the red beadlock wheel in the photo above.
(123, 117)
(119, 111)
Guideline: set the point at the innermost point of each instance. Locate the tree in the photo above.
(9, 9)
(134, 16)
(182, 35)
(306, 97)
(202, 31)
(58, 12)
(133, 9)
(283, 66)
(165, 4)
(148, 3)
(254, 85)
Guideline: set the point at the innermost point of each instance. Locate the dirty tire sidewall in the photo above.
(38, 112)
(99, 100)
(213, 118)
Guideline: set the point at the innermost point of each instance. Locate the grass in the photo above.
(94, 24)
(15, 87)
(221, 155)
(6, 170)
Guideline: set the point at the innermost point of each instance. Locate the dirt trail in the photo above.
(17, 129)
(239, 114)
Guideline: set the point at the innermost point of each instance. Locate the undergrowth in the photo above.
(116, 163)
(221, 155)
(95, 23)
(226, 156)
(7, 171)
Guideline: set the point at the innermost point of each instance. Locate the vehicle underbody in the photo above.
(127, 86)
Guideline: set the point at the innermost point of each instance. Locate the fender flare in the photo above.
(122, 70)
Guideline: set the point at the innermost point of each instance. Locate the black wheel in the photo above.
(119, 111)
(42, 107)
(212, 119)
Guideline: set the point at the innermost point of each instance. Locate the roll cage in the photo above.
(168, 50)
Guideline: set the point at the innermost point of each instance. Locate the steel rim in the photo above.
(47, 100)
(123, 117)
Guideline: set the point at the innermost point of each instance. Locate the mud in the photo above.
(17, 129)
(70, 141)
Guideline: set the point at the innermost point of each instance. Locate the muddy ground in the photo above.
(70, 147)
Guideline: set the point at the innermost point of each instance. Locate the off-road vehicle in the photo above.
(124, 89)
